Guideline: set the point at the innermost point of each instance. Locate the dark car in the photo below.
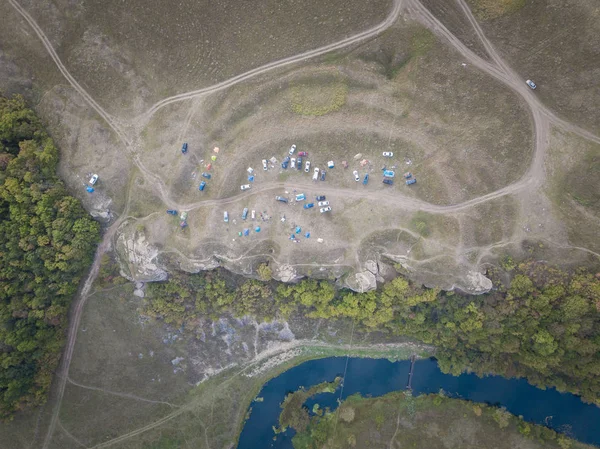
(282, 199)
(411, 181)
(202, 185)
(184, 148)
(285, 162)
(309, 205)
(206, 175)
(171, 212)
(321, 198)
(366, 179)
(323, 172)
(299, 163)
(387, 181)
(302, 153)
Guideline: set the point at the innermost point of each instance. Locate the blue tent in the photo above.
(251, 178)
(298, 230)
(89, 189)
(257, 229)
(307, 235)
(246, 231)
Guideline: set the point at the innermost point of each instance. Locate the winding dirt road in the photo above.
(542, 119)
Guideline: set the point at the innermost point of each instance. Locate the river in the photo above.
(376, 377)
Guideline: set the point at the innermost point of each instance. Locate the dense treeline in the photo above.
(544, 326)
(46, 241)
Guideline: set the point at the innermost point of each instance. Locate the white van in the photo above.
(316, 174)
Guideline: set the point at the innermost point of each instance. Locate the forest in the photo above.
(47, 241)
(543, 325)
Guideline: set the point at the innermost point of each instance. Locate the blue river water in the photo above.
(376, 377)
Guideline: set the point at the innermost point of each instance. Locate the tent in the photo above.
(298, 230)
(257, 229)
(246, 232)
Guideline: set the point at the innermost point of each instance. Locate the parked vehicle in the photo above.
(183, 216)
(206, 175)
(407, 175)
(302, 153)
(389, 173)
(299, 164)
(321, 198)
(388, 181)
(285, 162)
(309, 205)
(323, 203)
(202, 185)
(366, 179)
(330, 164)
(94, 179)
(316, 174)
(356, 177)
(253, 214)
(184, 148)
(282, 199)
(300, 197)
(264, 162)
(226, 217)
(293, 164)
(171, 212)
(388, 154)
(531, 84)
(325, 209)
(245, 213)
(323, 175)
(292, 149)
(307, 167)
(245, 186)
(411, 181)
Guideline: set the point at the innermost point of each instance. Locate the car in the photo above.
(303, 153)
(389, 173)
(407, 175)
(245, 213)
(285, 162)
(94, 179)
(264, 162)
(325, 209)
(292, 149)
(531, 84)
(300, 197)
(323, 203)
(321, 198)
(307, 167)
(245, 186)
(299, 163)
(171, 212)
(293, 164)
(411, 181)
(184, 147)
(316, 174)
(323, 175)
(388, 181)
(388, 154)
(206, 175)
(202, 185)
(366, 179)
(330, 164)
(282, 199)
(356, 177)
(309, 205)
(253, 215)
(226, 217)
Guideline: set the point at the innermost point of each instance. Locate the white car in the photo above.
(531, 84)
(293, 163)
(316, 174)
(264, 161)
(323, 203)
(307, 166)
(388, 154)
(94, 179)
(325, 209)
(292, 149)
(245, 186)
(225, 217)
(356, 177)
(253, 215)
